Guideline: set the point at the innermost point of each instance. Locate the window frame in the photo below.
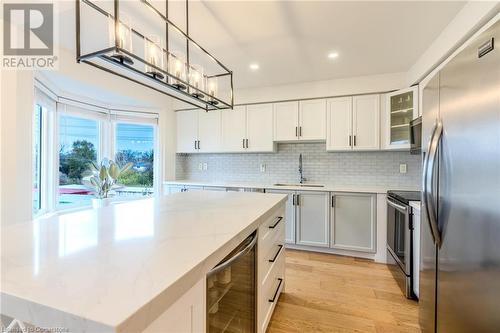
(47, 104)
(62, 111)
(38, 108)
(156, 146)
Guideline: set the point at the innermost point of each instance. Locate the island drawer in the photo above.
(277, 236)
(269, 255)
(270, 290)
(272, 225)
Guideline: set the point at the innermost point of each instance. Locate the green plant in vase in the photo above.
(103, 179)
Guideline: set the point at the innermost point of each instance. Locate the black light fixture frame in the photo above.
(188, 95)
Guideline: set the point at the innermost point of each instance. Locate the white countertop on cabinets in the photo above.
(326, 188)
(117, 268)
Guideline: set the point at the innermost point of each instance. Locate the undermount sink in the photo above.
(299, 185)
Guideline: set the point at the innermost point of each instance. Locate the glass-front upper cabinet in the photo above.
(401, 108)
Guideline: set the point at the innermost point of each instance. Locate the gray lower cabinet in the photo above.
(353, 219)
(339, 220)
(312, 218)
(290, 215)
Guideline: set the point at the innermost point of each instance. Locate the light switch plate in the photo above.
(403, 168)
(205, 166)
(262, 167)
(200, 166)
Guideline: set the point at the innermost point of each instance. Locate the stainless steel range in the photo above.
(400, 238)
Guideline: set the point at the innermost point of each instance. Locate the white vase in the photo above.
(99, 203)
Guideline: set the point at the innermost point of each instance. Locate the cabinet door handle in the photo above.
(277, 254)
(298, 199)
(333, 201)
(195, 147)
(246, 140)
(276, 292)
(296, 131)
(278, 220)
(350, 143)
(354, 140)
(293, 199)
(300, 130)
(243, 142)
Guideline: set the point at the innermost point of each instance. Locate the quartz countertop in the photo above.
(325, 188)
(115, 269)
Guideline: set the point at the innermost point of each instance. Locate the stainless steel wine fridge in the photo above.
(231, 291)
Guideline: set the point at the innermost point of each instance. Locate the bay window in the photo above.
(69, 135)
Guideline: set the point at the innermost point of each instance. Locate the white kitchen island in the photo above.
(123, 268)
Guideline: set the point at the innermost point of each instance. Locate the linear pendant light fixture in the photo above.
(149, 60)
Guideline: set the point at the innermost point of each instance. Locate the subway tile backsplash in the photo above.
(380, 168)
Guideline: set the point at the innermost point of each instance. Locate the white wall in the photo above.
(16, 119)
(468, 20)
(338, 87)
(326, 88)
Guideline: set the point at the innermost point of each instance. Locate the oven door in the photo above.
(398, 234)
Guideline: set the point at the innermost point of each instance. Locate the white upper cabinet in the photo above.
(304, 120)
(366, 122)
(312, 120)
(286, 121)
(339, 120)
(209, 131)
(353, 123)
(187, 131)
(400, 108)
(234, 129)
(346, 123)
(259, 125)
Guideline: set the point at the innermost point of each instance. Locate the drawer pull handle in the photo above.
(276, 292)
(277, 254)
(278, 220)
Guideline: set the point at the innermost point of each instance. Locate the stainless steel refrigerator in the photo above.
(460, 229)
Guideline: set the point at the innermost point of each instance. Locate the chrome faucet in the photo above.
(301, 171)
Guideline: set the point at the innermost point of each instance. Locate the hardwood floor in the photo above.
(329, 293)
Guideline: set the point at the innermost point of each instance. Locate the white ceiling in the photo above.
(290, 40)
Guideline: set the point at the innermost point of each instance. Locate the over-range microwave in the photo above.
(416, 136)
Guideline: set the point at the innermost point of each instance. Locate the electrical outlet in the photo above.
(262, 167)
(200, 166)
(205, 166)
(403, 168)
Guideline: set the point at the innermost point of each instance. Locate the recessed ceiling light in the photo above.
(254, 66)
(333, 55)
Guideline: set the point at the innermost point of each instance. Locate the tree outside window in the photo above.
(78, 147)
(135, 143)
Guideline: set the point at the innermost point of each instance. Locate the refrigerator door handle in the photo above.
(429, 180)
